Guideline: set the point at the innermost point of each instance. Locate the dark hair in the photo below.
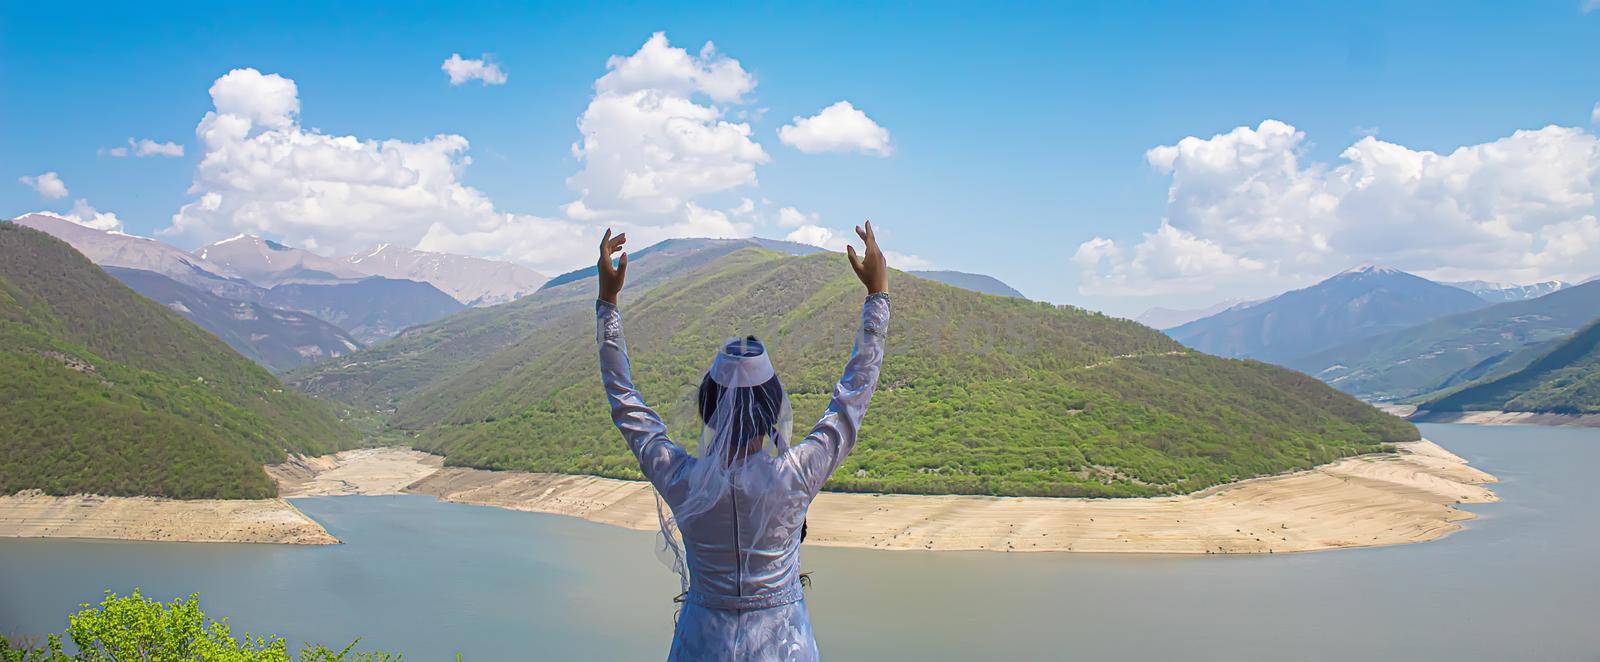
(764, 403)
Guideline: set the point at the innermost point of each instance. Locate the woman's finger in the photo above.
(863, 234)
(622, 265)
(604, 242)
(855, 262)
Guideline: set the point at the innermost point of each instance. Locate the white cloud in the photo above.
(1589, 6)
(144, 147)
(838, 128)
(1594, 115)
(816, 235)
(463, 71)
(48, 185)
(1244, 210)
(246, 96)
(263, 173)
(84, 214)
(790, 217)
(821, 237)
(904, 261)
(650, 146)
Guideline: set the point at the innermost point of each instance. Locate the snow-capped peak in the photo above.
(1371, 268)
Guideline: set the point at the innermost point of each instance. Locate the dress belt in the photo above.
(788, 595)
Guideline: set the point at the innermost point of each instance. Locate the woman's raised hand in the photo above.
(612, 275)
(871, 267)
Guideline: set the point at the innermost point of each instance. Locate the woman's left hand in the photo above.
(611, 276)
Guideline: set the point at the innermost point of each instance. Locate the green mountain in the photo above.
(979, 394)
(1453, 351)
(277, 339)
(108, 392)
(1564, 380)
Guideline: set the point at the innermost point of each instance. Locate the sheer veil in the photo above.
(742, 443)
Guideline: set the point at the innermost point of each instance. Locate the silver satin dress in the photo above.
(745, 601)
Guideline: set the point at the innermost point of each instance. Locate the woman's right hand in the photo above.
(611, 276)
(871, 268)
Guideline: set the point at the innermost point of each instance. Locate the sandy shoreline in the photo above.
(1357, 502)
(1507, 418)
(33, 514)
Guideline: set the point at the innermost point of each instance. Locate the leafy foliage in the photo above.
(1565, 380)
(137, 628)
(979, 394)
(110, 393)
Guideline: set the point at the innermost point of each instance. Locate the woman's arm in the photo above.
(644, 431)
(835, 435)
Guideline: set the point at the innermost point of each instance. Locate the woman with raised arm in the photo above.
(739, 503)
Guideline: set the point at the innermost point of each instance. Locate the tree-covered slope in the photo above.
(979, 394)
(107, 392)
(1565, 380)
(1452, 351)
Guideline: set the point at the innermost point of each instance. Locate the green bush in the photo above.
(137, 628)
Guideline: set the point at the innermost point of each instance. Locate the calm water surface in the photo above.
(430, 579)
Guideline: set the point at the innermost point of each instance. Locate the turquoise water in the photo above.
(430, 579)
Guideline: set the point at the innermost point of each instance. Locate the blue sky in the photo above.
(1018, 134)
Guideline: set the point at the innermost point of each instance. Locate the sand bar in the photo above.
(1507, 418)
(1363, 501)
(33, 514)
(362, 471)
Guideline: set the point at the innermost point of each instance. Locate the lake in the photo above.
(431, 579)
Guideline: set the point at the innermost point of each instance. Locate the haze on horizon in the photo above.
(1144, 158)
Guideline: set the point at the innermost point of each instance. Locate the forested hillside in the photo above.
(108, 392)
(1565, 380)
(980, 394)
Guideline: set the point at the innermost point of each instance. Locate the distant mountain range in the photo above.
(372, 309)
(976, 282)
(115, 249)
(107, 392)
(276, 338)
(1358, 303)
(1455, 349)
(1163, 318)
(473, 281)
(980, 394)
(284, 285)
(1563, 380)
(1503, 292)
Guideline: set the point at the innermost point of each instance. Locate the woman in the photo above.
(740, 502)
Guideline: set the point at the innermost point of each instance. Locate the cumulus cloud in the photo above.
(816, 235)
(654, 137)
(838, 128)
(1594, 115)
(48, 185)
(790, 217)
(144, 147)
(85, 214)
(826, 238)
(1245, 208)
(1589, 6)
(462, 71)
(263, 173)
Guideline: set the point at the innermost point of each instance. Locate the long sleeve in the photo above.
(644, 431)
(835, 435)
